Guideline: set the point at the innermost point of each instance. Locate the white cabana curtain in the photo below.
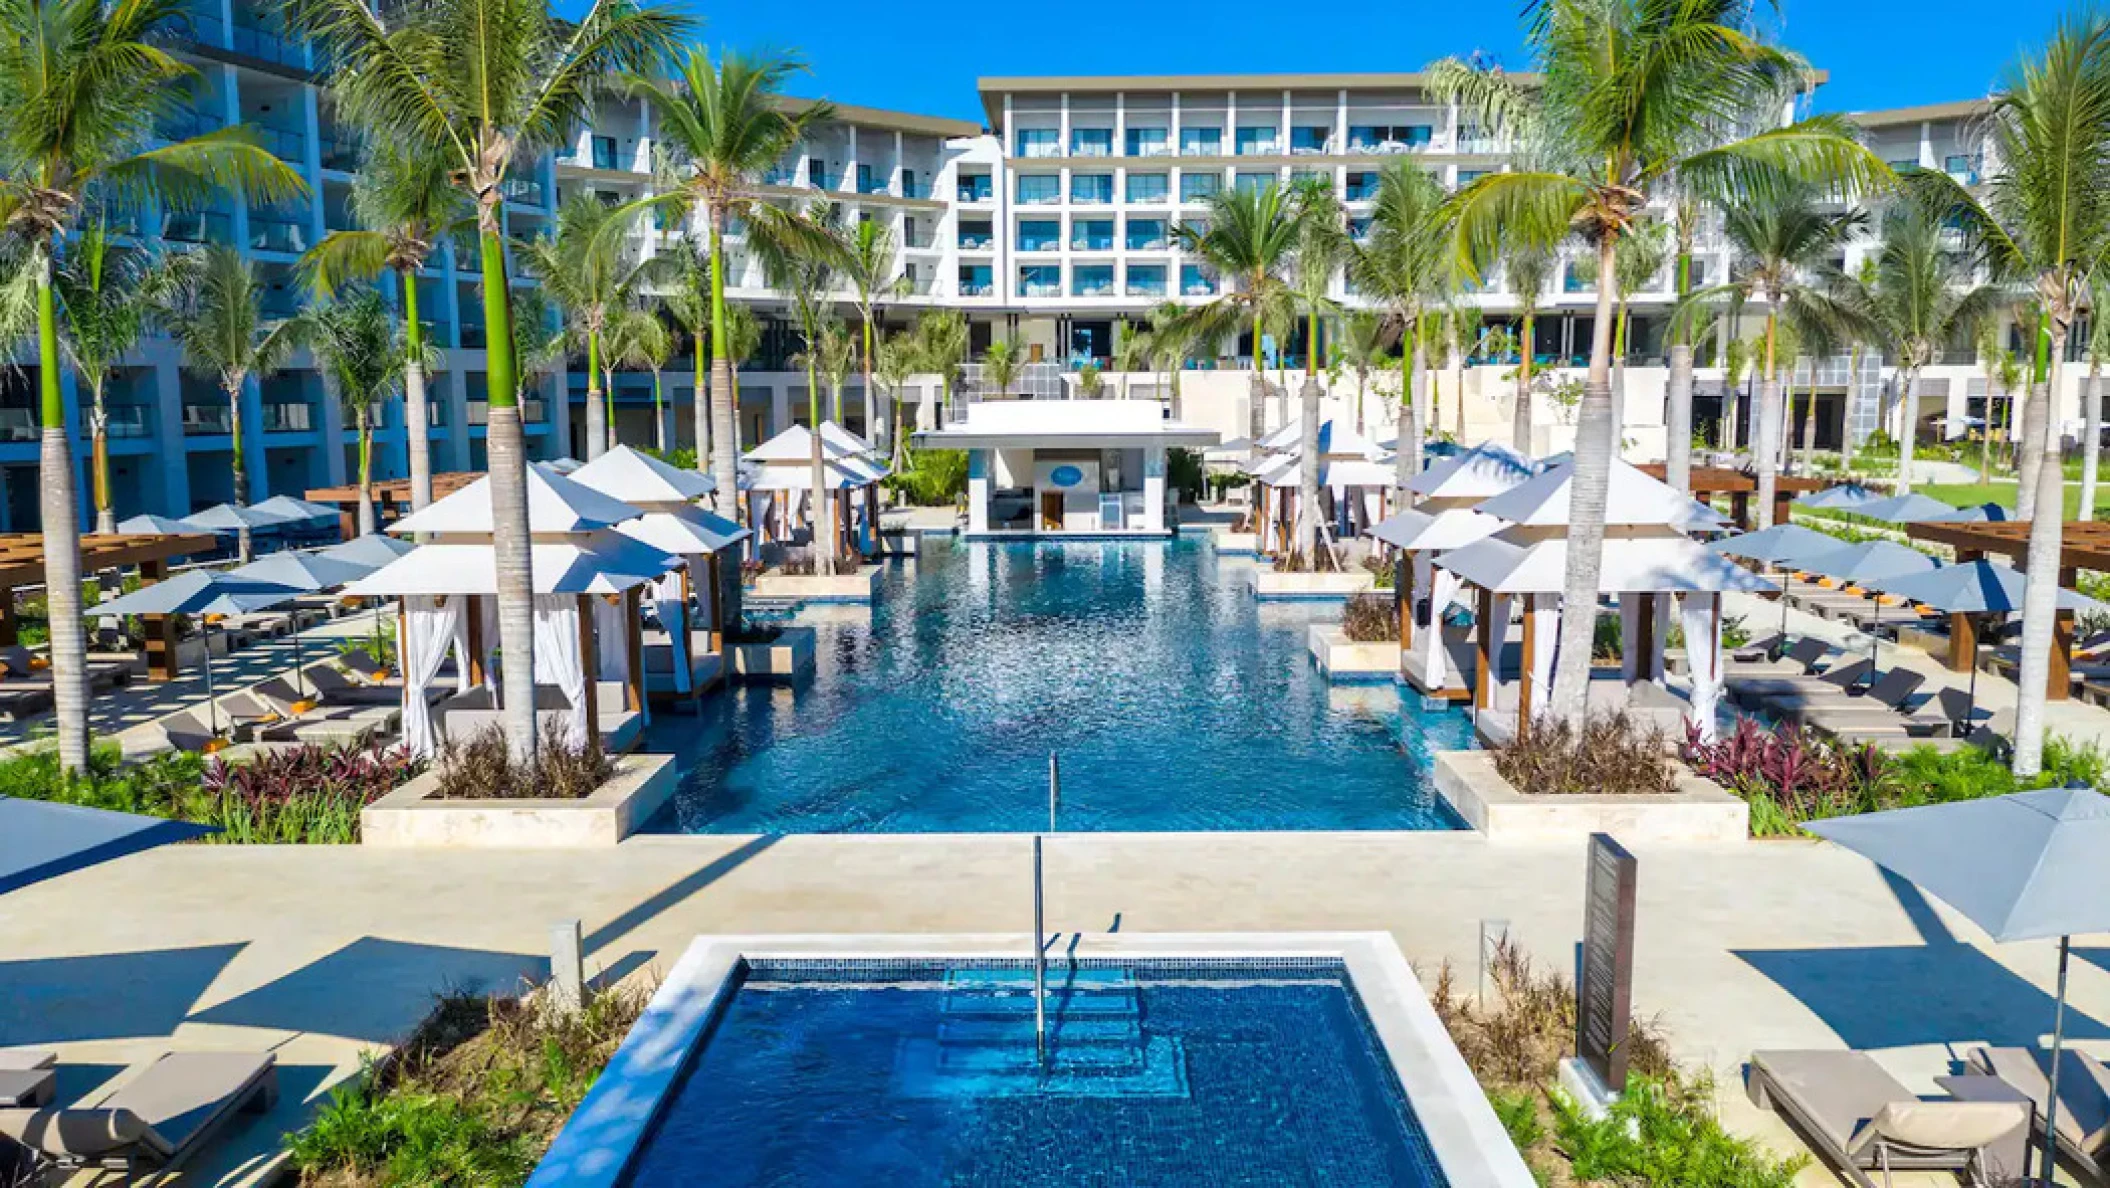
(1422, 589)
(1546, 634)
(1499, 637)
(611, 633)
(428, 632)
(1444, 589)
(460, 643)
(1703, 655)
(673, 616)
(557, 659)
(706, 593)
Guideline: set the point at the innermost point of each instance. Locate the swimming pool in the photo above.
(1224, 1060)
(1173, 698)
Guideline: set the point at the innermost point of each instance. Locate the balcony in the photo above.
(917, 286)
(1361, 187)
(532, 412)
(130, 421)
(435, 414)
(873, 185)
(1039, 289)
(1093, 288)
(1050, 196)
(1150, 142)
(1039, 243)
(185, 123)
(977, 189)
(1146, 288)
(979, 288)
(266, 44)
(1038, 147)
(340, 152)
(277, 235)
(1092, 243)
(1148, 243)
(197, 226)
(288, 416)
(917, 240)
(1196, 145)
(286, 144)
(1092, 142)
(1092, 190)
(207, 420)
(19, 424)
(525, 191)
(914, 188)
(783, 176)
(976, 241)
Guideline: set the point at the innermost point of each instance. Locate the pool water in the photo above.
(1173, 699)
(1210, 1074)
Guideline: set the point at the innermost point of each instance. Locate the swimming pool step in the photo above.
(1018, 1056)
(1012, 1003)
(923, 1069)
(1022, 979)
(1015, 1032)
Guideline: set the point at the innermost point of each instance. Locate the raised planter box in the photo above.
(1338, 586)
(1342, 659)
(786, 658)
(410, 817)
(862, 586)
(901, 543)
(1240, 544)
(1699, 811)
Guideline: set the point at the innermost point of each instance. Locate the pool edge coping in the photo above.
(599, 1142)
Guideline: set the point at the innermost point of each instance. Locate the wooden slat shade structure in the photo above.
(22, 564)
(391, 497)
(1740, 486)
(2082, 545)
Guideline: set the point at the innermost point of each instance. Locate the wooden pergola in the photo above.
(390, 497)
(1711, 481)
(22, 564)
(2082, 545)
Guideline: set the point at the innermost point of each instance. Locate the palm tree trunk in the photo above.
(823, 512)
(366, 475)
(1619, 329)
(417, 415)
(596, 412)
(1910, 441)
(242, 543)
(99, 428)
(1985, 437)
(1520, 427)
(1846, 411)
(725, 463)
(1588, 492)
(1677, 445)
(2040, 595)
(1765, 425)
(2091, 446)
(62, 538)
(1458, 391)
(2036, 430)
(1809, 429)
(1310, 538)
(700, 410)
(659, 414)
(1424, 381)
(507, 452)
(1407, 450)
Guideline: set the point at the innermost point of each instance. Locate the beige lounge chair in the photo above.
(2084, 1101)
(154, 1121)
(28, 1077)
(1859, 1119)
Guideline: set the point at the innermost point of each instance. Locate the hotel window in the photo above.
(911, 187)
(1039, 235)
(1092, 187)
(1695, 275)
(1040, 142)
(1092, 235)
(1150, 188)
(1576, 278)
(1091, 142)
(977, 235)
(1961, 166)
(816, 173)
(1040, 280)
(1145, 280)
(1201, 142)
(1146, 235)
(1359, 229)
(1147, 142)
(975, 280)
(1309, 138)
(1200, 187)
(1362, 187)
(1467, 177)
(1037, 188)
(1195, 281)
(604, 152)
(1092, 280)
(1257, 140)
(1377, 138)
(1253, 183)
(976, 187)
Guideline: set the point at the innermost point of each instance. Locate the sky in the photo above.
(923, 56)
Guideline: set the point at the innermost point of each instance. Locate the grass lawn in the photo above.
(1963, 494)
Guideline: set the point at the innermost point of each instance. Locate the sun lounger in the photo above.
(363, 666)
(186, 731)
(1859, 1119)
(154, 1121)
(246, 712)
(2084, 1100)
(28, 1077)
(343, 726)
(332, 687)
(24, 670)
(17, 704)
(1801, 657)
(1763, 650)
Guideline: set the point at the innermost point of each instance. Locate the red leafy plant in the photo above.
(309, 794)
(1789, 773)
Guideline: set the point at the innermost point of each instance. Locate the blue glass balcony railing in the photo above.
(277, 235)
(197, 226)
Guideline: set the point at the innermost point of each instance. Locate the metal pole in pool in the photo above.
(1054, 789)
(1040, 967)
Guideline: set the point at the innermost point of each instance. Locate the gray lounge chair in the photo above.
(28, 1077)
(2084, 1101)
(332, 687)
(1859, 1119)
(154, 1121)
(1768, 648)
(185, 731)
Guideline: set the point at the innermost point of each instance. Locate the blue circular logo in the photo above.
(1065, 476)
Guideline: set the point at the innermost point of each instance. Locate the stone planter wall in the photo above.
(1338, 587)
(1699, 811)
(410, 817)
(1238, 544)
(862, 586)
(1344, 660)
(786, 658)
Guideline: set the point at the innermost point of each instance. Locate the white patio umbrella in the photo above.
(372, 550)
(296, 509)
(153, 525)
(201, 592)
(1903, 509)
(226, 517)
(2026, 866)
(1974, 588)
(1780, 546)
(1845, 497)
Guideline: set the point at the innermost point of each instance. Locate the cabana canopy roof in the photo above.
(1486, 470)
(796, 445)
(684, 530)
(1420, 531)
(555, 504)
(1336, 440)
(1287, 470)
(606, 564)
(1631, 566)
(1633, 500)
(840, 474)
(638, 478)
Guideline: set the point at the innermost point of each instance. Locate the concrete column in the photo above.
(779, 409)
(1063, 123)
(173, 497)
(338, 437)
(254, 457)
(1154, 488)
(978, 483)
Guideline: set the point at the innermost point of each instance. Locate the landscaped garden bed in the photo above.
(1612, 776)
(770, 654)
(1364, 645)
(801, 577)
(477, 795)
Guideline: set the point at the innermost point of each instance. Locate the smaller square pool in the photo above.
(923, 1070)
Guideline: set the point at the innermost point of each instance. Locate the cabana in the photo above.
(1349, 465)
(1647, 557)
(22, 564)
(588, 582)
(780, 473)
(686, 662)
(1066, 467)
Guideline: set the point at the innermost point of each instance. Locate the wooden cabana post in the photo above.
(590, 665)
(2082, 545)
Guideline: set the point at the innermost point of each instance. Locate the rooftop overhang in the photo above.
(972, 439)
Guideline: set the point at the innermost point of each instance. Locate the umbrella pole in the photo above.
(300, 670)
(1875, 642)
(212, 705)
(1787, 579)
(2051, 1098)
(1970, 697)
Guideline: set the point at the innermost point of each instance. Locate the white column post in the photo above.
(978, 491)
(1154, 488)
(1282, 132)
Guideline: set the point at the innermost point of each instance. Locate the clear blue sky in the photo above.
(924, 55)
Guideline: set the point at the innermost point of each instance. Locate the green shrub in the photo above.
(1183, 473)
(1370, 618)
(931, 478)
(1663, 1131)
(1612, 754)
(482, 768)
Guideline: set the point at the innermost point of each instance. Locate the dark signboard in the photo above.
(1604, 1006)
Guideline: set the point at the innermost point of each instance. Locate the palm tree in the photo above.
(941, 339)
(1000, 365)
(892, 364)
(1364, 337)
(361, 356)
(835, 357)
(1248, 238)
(1854, 288)
(487, 84)
(743, 337)
(726, 127)
(2013, 378)
(1132, 351)
(1526, 268)
(107, 295)
(1321, 245)
(83, 86)
(1461, 328)
(800, 262)
(404, 201)
(1625, 91)
(638, 338)
(2092, 393)
(869, 266)
(1637, 260)
(1783, 243)
(687, 300)
(581, 265)
(1997, 364)
(1172, 337)
(218, 318)
(1401, 267)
